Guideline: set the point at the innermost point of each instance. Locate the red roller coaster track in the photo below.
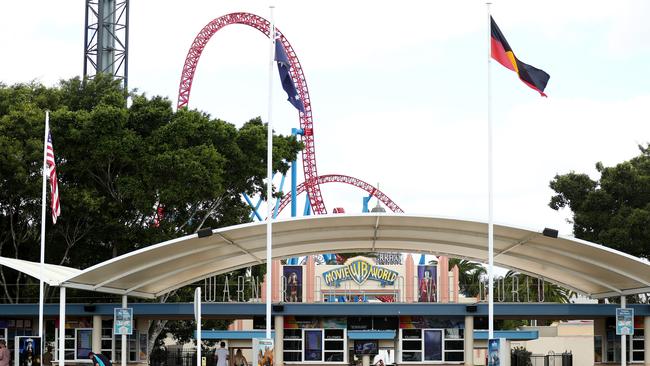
(312, 179)
(337, 178)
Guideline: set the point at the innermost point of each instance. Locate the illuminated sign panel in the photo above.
(360, 271)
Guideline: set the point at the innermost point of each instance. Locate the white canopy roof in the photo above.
(588, 268)
(51, 274)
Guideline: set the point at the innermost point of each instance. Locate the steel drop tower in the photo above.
(106, 39)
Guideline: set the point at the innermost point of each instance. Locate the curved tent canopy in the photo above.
(588, 268)
(51, 274)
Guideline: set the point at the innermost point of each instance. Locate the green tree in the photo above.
(116, 166)
(519, 287)
(613, 210)
(471, 276)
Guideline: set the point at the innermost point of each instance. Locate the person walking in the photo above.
(47, 357)
(221, 354)
(240, 360)
(5, 356)
(98, 359)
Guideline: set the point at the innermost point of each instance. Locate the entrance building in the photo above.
(331, 314)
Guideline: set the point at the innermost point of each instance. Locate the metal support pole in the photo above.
(124, 336)
(490, 188)
(41, 291)
(646, 340)
(624, 338)
(269, 179)
(197, 314)
(61, 326)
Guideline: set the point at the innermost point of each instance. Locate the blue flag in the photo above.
(285, 77)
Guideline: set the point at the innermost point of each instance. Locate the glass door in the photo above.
(433, 344)
(313, 345)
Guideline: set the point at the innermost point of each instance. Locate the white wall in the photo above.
(582, 347)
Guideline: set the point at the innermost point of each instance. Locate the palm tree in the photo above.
(470, 275)
(528, 289)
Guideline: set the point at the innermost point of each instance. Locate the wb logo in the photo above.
(359, 271)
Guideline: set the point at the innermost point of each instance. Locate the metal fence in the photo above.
(177, 357)
(563, 359)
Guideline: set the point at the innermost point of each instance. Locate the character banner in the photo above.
(427, 289)
(27, 351)
(262, 351)
(293, 283)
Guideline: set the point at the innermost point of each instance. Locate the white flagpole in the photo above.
(43, 204)
(490, 188)
(269, 182)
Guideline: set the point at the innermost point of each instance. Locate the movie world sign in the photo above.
(360, 271)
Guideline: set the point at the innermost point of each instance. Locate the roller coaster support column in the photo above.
(248, 200)
(277, 202)
(307, 211)
(366, 200)
(294, 175)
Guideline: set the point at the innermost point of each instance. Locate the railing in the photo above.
(563, 359)
(178, 357)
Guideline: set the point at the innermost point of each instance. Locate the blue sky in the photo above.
(398, 88)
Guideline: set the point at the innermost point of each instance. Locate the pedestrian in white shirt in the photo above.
(221, 354)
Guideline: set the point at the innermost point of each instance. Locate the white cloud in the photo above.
(397, 88)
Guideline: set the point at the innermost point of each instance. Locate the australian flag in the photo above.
(285, 77)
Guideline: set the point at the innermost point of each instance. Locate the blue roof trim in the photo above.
(517, 335)
(371, 334)
(233, 334)
(248, 310)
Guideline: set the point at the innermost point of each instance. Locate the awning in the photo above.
(371, 334)
(51, 274)
(591, 269)
(233, 334)
(515, 335)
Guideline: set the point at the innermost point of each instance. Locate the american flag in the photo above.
(51, 165)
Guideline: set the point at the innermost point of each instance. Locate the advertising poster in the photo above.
(123, 321)
(427, 283)
(27, 351)
(84, 343)
(624, 321)
(494, 347)
(299, 322)
(262, 352)
(423, 322)
(293, 278)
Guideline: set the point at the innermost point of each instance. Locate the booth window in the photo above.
(292, 345)
(15, 328)
(613, 342)
(314, 345)
(334, 345)
(454, 344)
(132, 347)
(107, 342)
(432, 345)
(68, 344)
(637, 345)
(598, 348)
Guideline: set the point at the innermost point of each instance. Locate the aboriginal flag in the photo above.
(501, 51)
